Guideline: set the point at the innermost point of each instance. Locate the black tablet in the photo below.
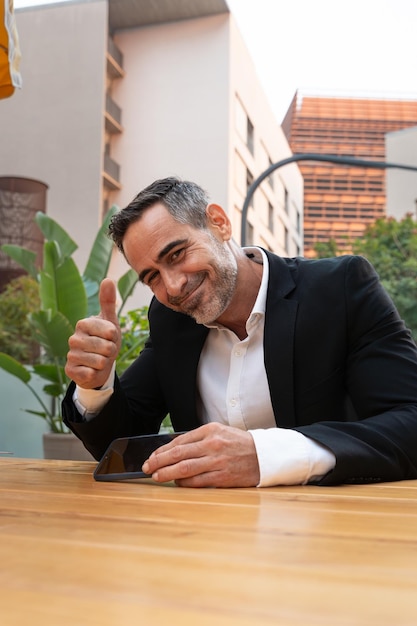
(124, 457)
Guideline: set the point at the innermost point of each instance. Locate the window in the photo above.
(286, 201)
(270, 217)
(249, 234)
(298, 223)
(249, 181)
(241, 120)
(271, 176)
(244, 126)
(286, 239)
(250, 137)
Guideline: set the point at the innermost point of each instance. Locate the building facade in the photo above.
(401, 147)
(339, 200)
(118, 93)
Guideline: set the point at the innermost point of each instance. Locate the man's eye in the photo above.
(175, 255)
(151, 277)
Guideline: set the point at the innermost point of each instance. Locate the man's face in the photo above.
(189, 270)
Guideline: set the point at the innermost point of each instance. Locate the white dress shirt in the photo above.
(233, 390)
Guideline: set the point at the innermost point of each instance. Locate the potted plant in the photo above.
(65, 296)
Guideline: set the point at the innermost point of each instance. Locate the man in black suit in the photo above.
(284, 371)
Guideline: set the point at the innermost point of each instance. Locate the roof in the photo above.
(133, 13)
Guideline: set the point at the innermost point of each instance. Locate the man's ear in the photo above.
(218, 222)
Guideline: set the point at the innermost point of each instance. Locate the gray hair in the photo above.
(184, 200)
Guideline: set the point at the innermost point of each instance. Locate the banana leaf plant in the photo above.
(66, 295)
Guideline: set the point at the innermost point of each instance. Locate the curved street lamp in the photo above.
(327, 158)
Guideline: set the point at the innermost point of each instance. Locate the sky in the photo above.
(327, 47)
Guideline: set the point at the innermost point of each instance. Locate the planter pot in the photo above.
(64, 446)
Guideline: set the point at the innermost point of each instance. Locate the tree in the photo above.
(391, 247)
(325, 249)
(19, 298)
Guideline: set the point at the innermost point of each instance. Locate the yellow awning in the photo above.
(9, 50)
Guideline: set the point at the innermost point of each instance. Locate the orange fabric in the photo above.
(9, 50)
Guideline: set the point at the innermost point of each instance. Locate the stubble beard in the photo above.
(222, 290)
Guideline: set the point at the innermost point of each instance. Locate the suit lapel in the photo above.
(178, 344)
(280, 318)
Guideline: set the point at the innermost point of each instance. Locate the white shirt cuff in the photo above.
(287, 457)
(89, 402)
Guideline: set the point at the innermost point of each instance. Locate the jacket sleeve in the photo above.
(381, 382)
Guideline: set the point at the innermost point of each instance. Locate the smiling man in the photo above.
(189, 274)
(283, 371)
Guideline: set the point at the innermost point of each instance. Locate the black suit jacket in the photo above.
(341, 368)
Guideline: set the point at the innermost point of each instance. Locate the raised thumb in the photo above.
(107, 298)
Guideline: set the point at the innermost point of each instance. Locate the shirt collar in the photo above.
(260, 257)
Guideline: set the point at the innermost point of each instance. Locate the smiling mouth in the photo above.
(178, 302)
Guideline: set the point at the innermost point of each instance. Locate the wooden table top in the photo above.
(77, 552)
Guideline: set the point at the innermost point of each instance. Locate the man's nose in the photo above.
(174, 282)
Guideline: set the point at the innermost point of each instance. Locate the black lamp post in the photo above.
(312, 157)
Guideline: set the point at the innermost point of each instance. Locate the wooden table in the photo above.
(77, 552)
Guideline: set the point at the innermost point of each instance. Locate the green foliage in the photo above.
(325, 249)
(135, 330)
(391, 247)
(64, 296)
(19, 298)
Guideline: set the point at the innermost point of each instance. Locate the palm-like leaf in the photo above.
(98, 263)
(54, 390)
(52, 331)
(125, 285)
(13, 367)
(61, 286)
(52, 231)
(50, 372)
(100, 254)
(25, 258)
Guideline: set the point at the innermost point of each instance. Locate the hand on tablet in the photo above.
(212, 455)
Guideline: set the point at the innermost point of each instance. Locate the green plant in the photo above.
(135, 331)
(391, 246)
(65, 296)
(19, 298)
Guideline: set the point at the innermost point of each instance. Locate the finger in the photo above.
(191, 436)
(93, 335)
(185, 469)
(164, 458)
(107, 298)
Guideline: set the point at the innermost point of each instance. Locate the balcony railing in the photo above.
(111, 172)
(113, 116)
(114, 60)
(114, 52)
(113, 109)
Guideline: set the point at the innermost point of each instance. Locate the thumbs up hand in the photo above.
(95, 344)
(107, 299)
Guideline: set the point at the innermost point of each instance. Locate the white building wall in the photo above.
(401, 185)
(270, 144)
(180, 118)
(179, 98)
(51, 130)
(174, 99)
